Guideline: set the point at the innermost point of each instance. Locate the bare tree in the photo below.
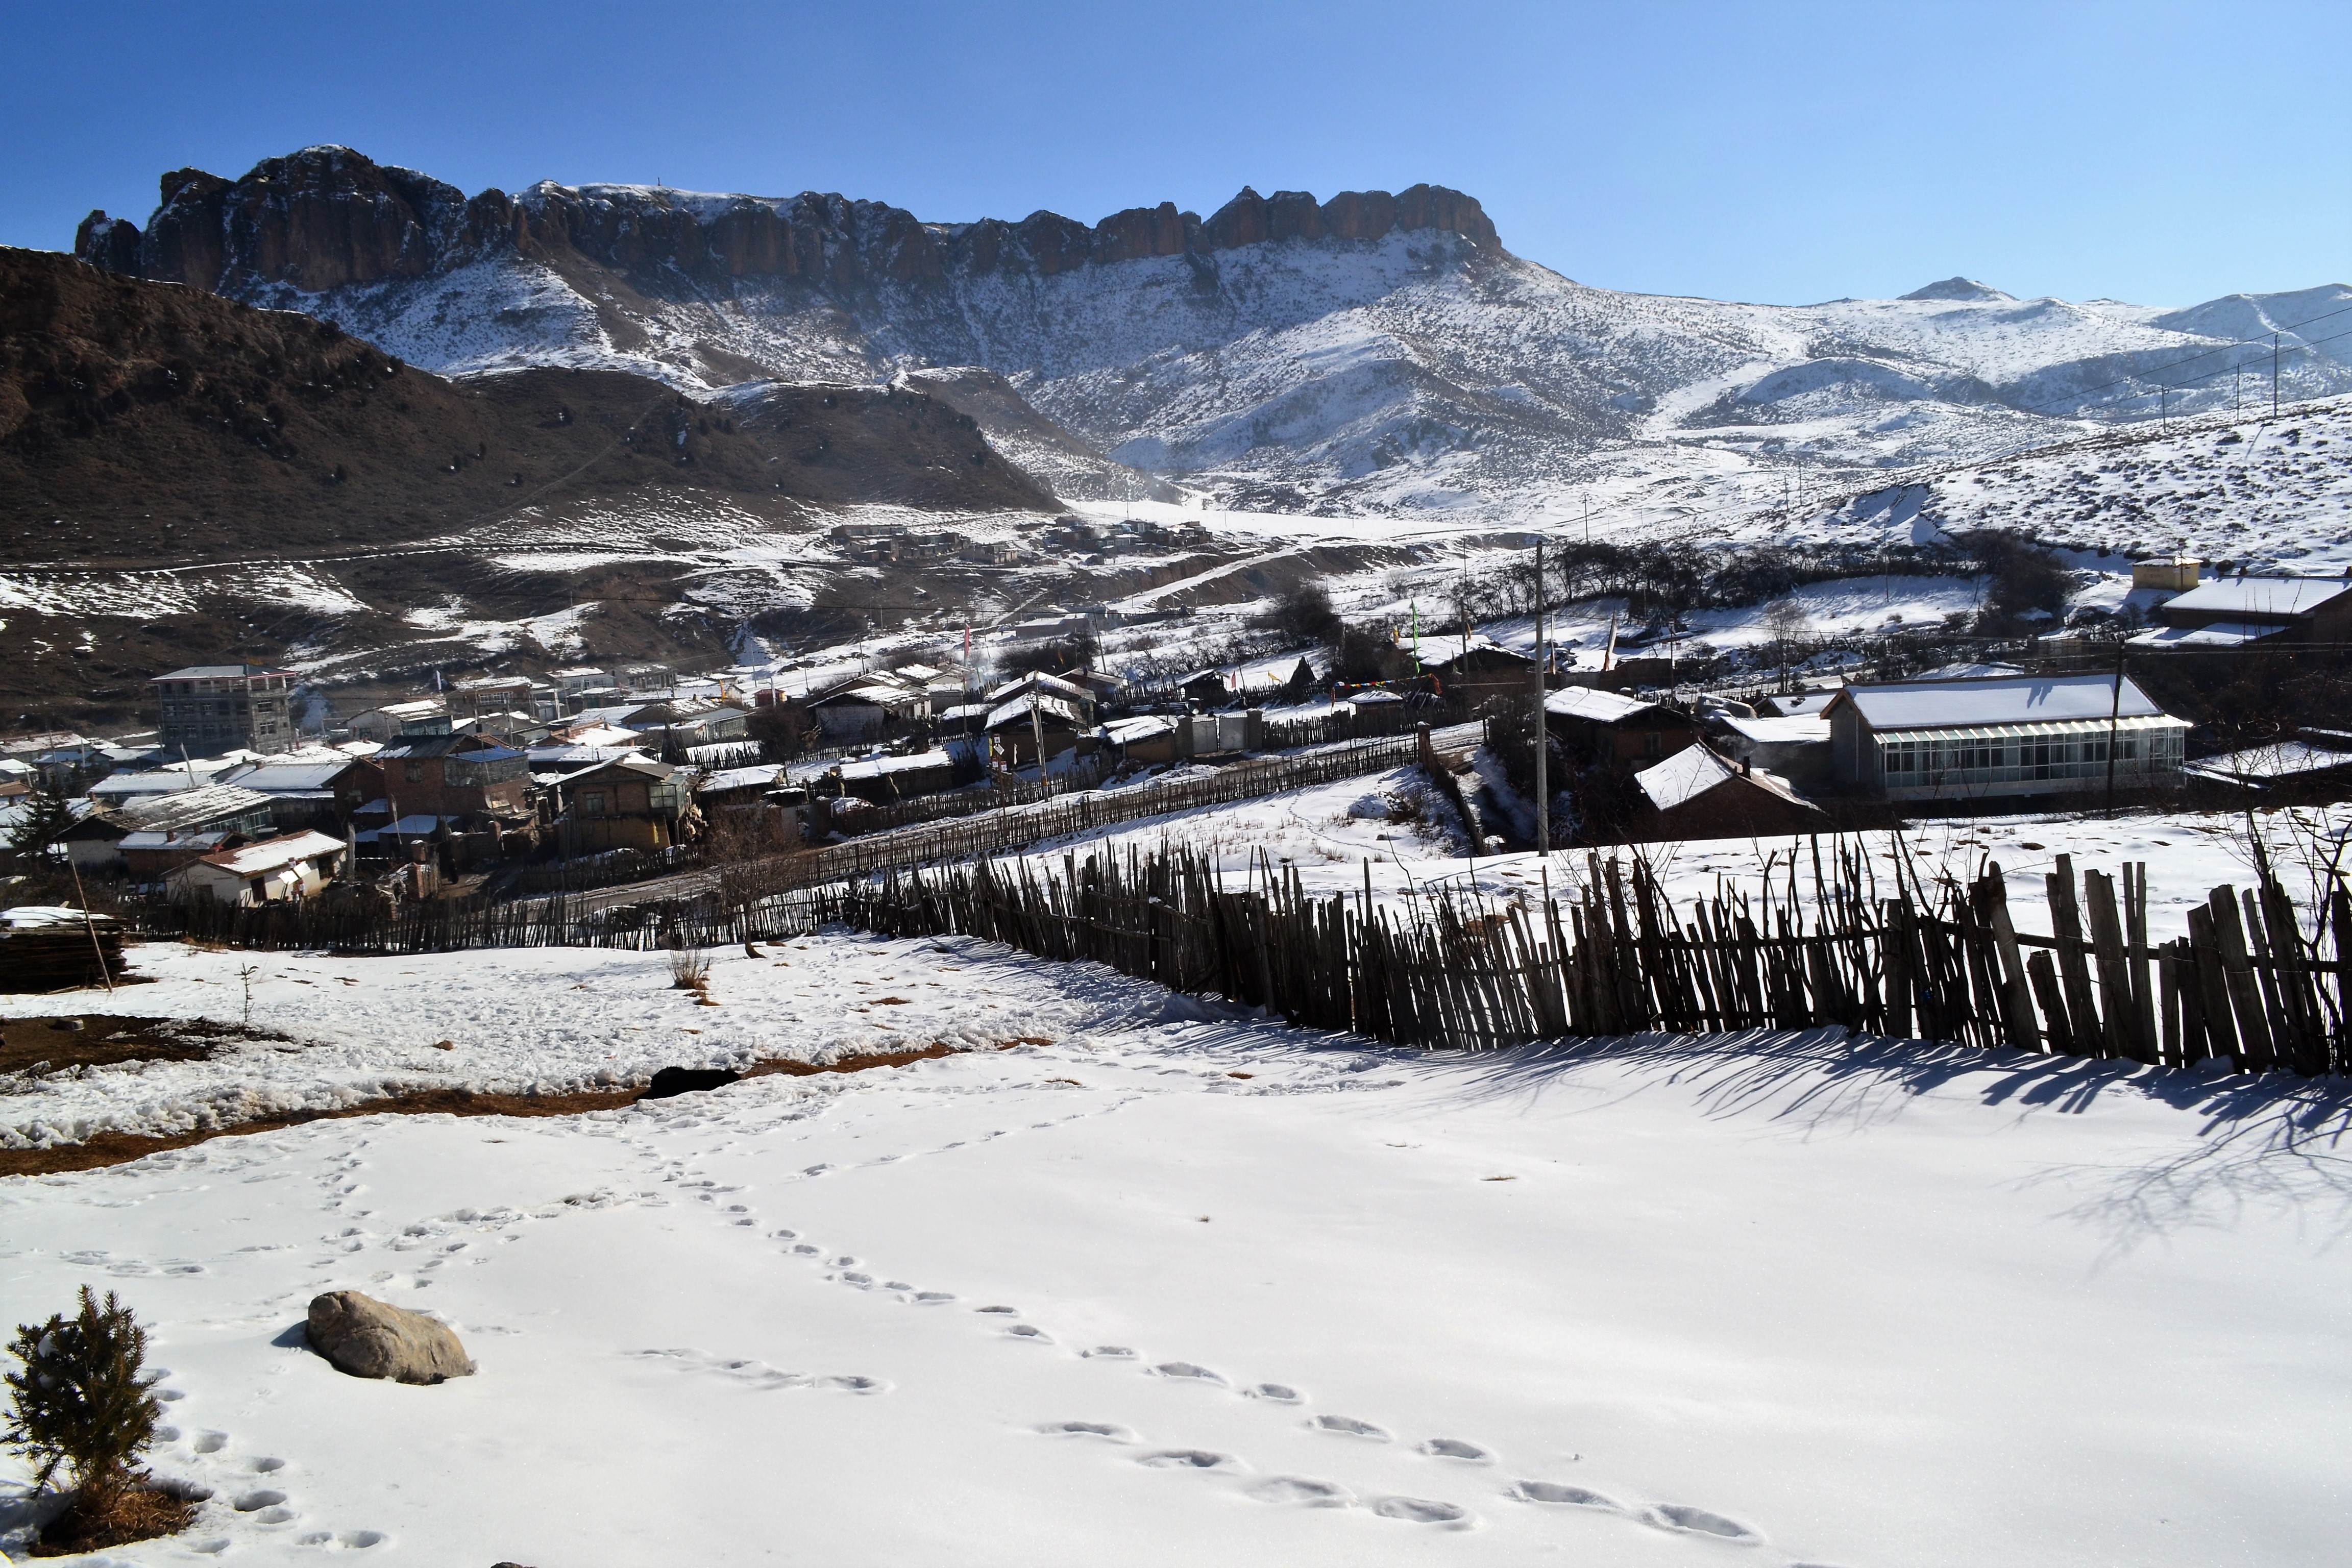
(1787, 621)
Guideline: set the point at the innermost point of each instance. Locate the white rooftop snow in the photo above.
(2239, 597)
(2007, 699)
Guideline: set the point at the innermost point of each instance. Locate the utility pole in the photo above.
(2164, 407)
(1543, 726)
(2274, 358)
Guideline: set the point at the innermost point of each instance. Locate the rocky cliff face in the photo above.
(327, 217)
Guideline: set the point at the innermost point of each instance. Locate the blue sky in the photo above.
(2155, 152)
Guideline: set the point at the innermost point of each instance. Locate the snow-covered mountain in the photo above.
(1369, 354)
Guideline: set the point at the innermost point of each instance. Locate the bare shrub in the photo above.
(690, 970)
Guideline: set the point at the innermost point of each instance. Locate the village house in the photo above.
(494, 694)
(1284, 679)
(450, 775)
(294, 866)
(208, 708)
(1143, 740)
(2231, 611)
(1795, 749)
(630, 803)
(307, 793)
(2004, 735)
(1606, 729)
(886, 779)
(148, 839)
(1695, 793)
(1479, 668)
(424, 716)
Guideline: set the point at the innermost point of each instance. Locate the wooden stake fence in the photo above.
(1941, 961)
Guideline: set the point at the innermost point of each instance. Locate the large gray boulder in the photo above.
(368, 1338)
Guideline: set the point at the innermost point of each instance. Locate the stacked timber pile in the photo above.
(44, 947)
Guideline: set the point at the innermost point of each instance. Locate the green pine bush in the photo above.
(81, 1401)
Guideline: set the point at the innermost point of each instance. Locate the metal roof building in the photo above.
(2007, 735)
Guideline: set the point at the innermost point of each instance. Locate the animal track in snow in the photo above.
(1348, 1426)
(933, 1297)
(1188, 1459)
(346, 1541)
(1189, 1372)
(1302, 1491)
(209, 1442)
(1555, 1493)
(753, 1373)
(1700, 1522)
(1422, 1511)
(1110, 1430)
(1026, 1332)
(1109, 1353)
(1455, 1448)
(1274, 1393)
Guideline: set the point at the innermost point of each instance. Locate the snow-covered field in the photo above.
(1184, 1286)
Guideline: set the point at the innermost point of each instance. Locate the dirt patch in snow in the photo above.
(105, 1149)
(105, 1039)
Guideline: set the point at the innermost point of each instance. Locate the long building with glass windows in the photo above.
(2004, 735)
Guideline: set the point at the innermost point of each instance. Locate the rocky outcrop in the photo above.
(368, 1338)
(327, 217)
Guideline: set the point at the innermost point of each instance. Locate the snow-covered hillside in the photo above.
(1419, 370)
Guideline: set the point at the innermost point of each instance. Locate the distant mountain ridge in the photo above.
(1371, 353)
(327, 217)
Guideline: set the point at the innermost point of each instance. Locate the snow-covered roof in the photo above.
(1593, 705)
(167, 839)
(1687, 774)
(1802, 702)
(1044, 683)
(1694, 770)
(1779, 732)
(117, 787)
(287, 778)
(1374, 698)
(271, 854)
(191, 806)
(2265, 598)
(1049, 705)
(874, 767)
(2220, 634)
(961, 711)
(743, 778)
(2005, 699)
(1127, 731)
(603, 737)
(2283, 759)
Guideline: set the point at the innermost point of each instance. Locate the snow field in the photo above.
(1209, 1290)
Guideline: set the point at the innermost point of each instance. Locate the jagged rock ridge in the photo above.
(327, 217)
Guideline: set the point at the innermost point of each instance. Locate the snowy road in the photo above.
(1186, 1288)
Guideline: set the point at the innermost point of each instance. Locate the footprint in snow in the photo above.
(1348, 1426)
(932, 1298)
(1556, 1492)
(347, 1541)
(999, 1312)
(1026, 1332)
(1274, 1393)
(1188, 1459)
(1110, 1431)
(1302, 1491)
(1185, 1371)
(1455, 1448)
(1700, 1522)
(1109, 1353)
(1424, 1510)
(267, 1506)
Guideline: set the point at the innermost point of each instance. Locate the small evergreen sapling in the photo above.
(81, 1401)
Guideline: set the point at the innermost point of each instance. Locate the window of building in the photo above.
(592, 802)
